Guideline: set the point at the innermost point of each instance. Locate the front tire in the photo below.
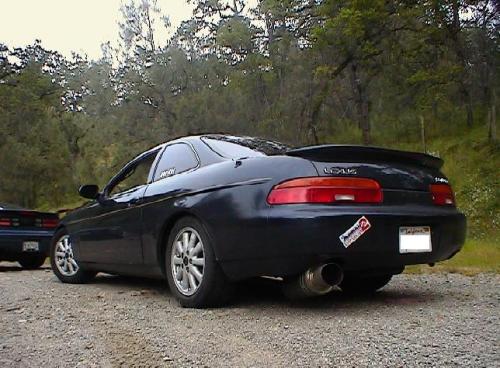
(362, 285)
(193, 274)
(64, 266)
(32, 262)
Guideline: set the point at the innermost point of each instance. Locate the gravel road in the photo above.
(428, 320)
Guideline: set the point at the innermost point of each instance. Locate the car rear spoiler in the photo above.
(352, 153)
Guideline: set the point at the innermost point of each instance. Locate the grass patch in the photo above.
(475, 257)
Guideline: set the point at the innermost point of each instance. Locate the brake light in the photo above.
(442, 194)
(326, 190)
(50, 223)
(5, 222)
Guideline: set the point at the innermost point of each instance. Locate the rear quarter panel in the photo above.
(229, 198)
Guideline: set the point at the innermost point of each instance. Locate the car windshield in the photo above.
(242, 147)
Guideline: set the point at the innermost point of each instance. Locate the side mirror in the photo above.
(90, 191)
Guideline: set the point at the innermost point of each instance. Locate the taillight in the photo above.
(442, 194)
(326, 190)
(5, 222)
(50, 223)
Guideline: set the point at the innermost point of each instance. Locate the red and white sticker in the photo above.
(355, 231)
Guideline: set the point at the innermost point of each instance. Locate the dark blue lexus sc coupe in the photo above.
(205, 211)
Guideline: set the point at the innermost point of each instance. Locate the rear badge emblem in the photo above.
(441, 180)
(355, 231)
(340, 171)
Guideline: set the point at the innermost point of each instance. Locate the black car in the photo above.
(206, 211)
(25, 235)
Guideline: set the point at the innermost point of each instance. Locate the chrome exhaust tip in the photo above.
(315, 281)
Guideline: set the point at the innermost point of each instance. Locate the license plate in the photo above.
(30, 246)
(415, 239)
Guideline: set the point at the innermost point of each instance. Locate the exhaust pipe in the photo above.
(315, 281)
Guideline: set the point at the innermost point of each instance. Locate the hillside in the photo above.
(472, 166)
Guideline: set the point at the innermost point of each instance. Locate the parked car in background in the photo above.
(25, 235)
(205, 211)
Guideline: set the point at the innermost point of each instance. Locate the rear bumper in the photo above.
(298, 237)
(11, 243)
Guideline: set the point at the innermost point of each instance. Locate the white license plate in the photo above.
(30, 246)
(415, 239)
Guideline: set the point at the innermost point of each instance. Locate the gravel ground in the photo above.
(426, 320)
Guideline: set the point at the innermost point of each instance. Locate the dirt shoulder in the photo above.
(417, 320)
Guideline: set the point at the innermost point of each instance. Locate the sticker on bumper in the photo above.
(359, 228)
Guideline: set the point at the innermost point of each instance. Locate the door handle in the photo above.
(134, 202)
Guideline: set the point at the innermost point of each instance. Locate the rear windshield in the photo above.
(243, 147)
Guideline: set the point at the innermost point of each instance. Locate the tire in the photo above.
(67, 274)
(359, 285)
(213, 289)
(32, 262)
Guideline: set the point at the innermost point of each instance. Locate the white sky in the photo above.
(72, 25)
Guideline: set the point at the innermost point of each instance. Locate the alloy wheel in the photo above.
(65, 261)
(187, 261)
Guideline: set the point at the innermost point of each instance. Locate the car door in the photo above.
(113, 235)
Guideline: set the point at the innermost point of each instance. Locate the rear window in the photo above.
(243, 147)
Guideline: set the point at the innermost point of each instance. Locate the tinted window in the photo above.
(241, 147)
(176, 158)
(135, 176)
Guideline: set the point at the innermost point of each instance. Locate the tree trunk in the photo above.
(455, 31)
(493, 118)
(468, 107)
(422, 133)
(150, 35)
(435, 109)
(317, 103)
(365, 123)
(362, 105)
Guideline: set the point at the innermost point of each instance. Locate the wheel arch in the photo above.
(165, 233)
(57, 230)
(59, 227)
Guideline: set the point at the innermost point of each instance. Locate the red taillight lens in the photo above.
(326, 190)
(5, 222)
(442, 194)
(50, 223)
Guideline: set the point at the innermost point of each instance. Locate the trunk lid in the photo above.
(394, 170)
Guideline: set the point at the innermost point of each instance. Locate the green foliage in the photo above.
(475, 257)
(34, 158)
(236, 34)
(473, 166)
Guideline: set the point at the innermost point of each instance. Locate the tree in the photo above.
(138, 28)
(355, 35)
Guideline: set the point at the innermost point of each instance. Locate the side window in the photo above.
(135, 176)
(176, 158)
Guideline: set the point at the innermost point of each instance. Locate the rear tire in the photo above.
(359, 285)
(63, 264)
(32, 262)
(195, 278)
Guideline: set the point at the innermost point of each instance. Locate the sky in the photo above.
(72, 25)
